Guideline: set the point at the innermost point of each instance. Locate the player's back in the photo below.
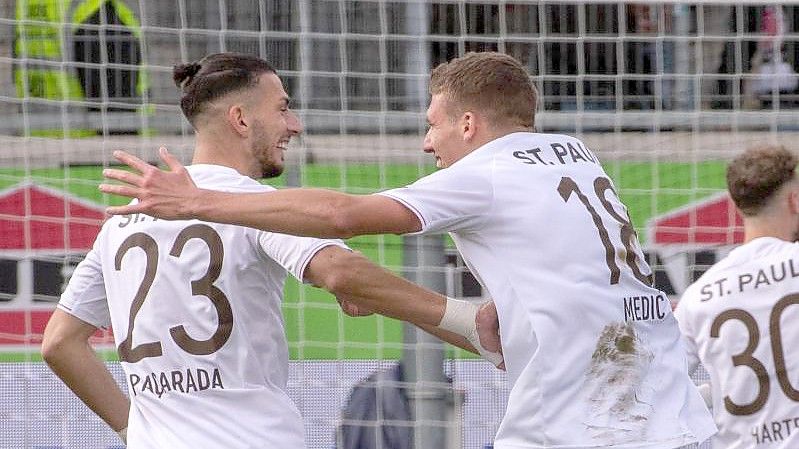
(740, 319)
(591, 348)
(196, 314)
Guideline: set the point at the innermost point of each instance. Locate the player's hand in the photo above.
(351, 309)
(487, 322)
(163, 194)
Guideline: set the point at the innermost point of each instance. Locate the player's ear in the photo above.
(468, 125)
(237, 120)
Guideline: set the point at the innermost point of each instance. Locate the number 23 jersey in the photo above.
(196, 315)
(592, 351)
(740, 320)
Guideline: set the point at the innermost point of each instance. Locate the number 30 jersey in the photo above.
(592, 351)
(740, 321)
(196, 315)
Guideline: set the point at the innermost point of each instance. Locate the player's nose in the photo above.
(294, 124)
(427, 145)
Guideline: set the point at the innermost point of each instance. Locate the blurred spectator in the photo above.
(645, 57)
(774, 76)
(640, 57)
(714, 22)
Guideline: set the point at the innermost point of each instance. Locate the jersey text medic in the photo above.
(646, 307)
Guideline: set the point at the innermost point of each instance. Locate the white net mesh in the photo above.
(664, 93)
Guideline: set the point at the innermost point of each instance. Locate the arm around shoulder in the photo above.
(303, 212)
(309, 212)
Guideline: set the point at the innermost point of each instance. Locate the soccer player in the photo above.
(592, 350)
(195, 306)
(739, 319)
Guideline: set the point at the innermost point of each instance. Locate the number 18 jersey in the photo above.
(592, 350)
(740, 321)
(196, 315)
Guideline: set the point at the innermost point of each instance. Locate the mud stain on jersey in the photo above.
(614, 386)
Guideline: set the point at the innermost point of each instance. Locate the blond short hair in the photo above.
(489, 82)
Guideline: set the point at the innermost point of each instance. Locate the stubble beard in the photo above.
(263, 151)
(274, 172)
(269, 169)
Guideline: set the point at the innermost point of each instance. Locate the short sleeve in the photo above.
(452, 199)
(293, 253)
(85, 295)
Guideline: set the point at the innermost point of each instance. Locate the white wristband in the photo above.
(460, 318)
(123, 435)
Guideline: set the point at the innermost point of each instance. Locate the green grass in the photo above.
(108, 355)
(314, 326)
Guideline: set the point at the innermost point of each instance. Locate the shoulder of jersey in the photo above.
(230, 182)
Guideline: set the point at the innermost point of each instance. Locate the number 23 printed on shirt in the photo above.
(602, 185)
(199, 287)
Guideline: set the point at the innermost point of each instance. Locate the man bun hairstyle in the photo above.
(183, 73)
(492, 83)
(757, 174)
(214, 76)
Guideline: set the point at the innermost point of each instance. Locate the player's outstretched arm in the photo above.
(356, 280)
(172, 195)
(66, 350)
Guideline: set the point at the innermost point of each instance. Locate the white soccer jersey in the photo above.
(195, 310)
(593, 352)
(740, 320)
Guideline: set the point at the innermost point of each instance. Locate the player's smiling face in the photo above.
(273, 125)
(443, 138)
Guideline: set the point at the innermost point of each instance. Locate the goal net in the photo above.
(663, 92)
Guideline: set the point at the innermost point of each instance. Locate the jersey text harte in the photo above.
(774, 431)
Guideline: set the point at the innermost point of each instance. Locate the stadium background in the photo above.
(663, 92)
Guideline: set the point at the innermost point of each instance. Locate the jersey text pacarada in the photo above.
(182, 380)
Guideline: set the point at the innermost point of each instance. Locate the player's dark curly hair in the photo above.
(215, 76)
(757, 174)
